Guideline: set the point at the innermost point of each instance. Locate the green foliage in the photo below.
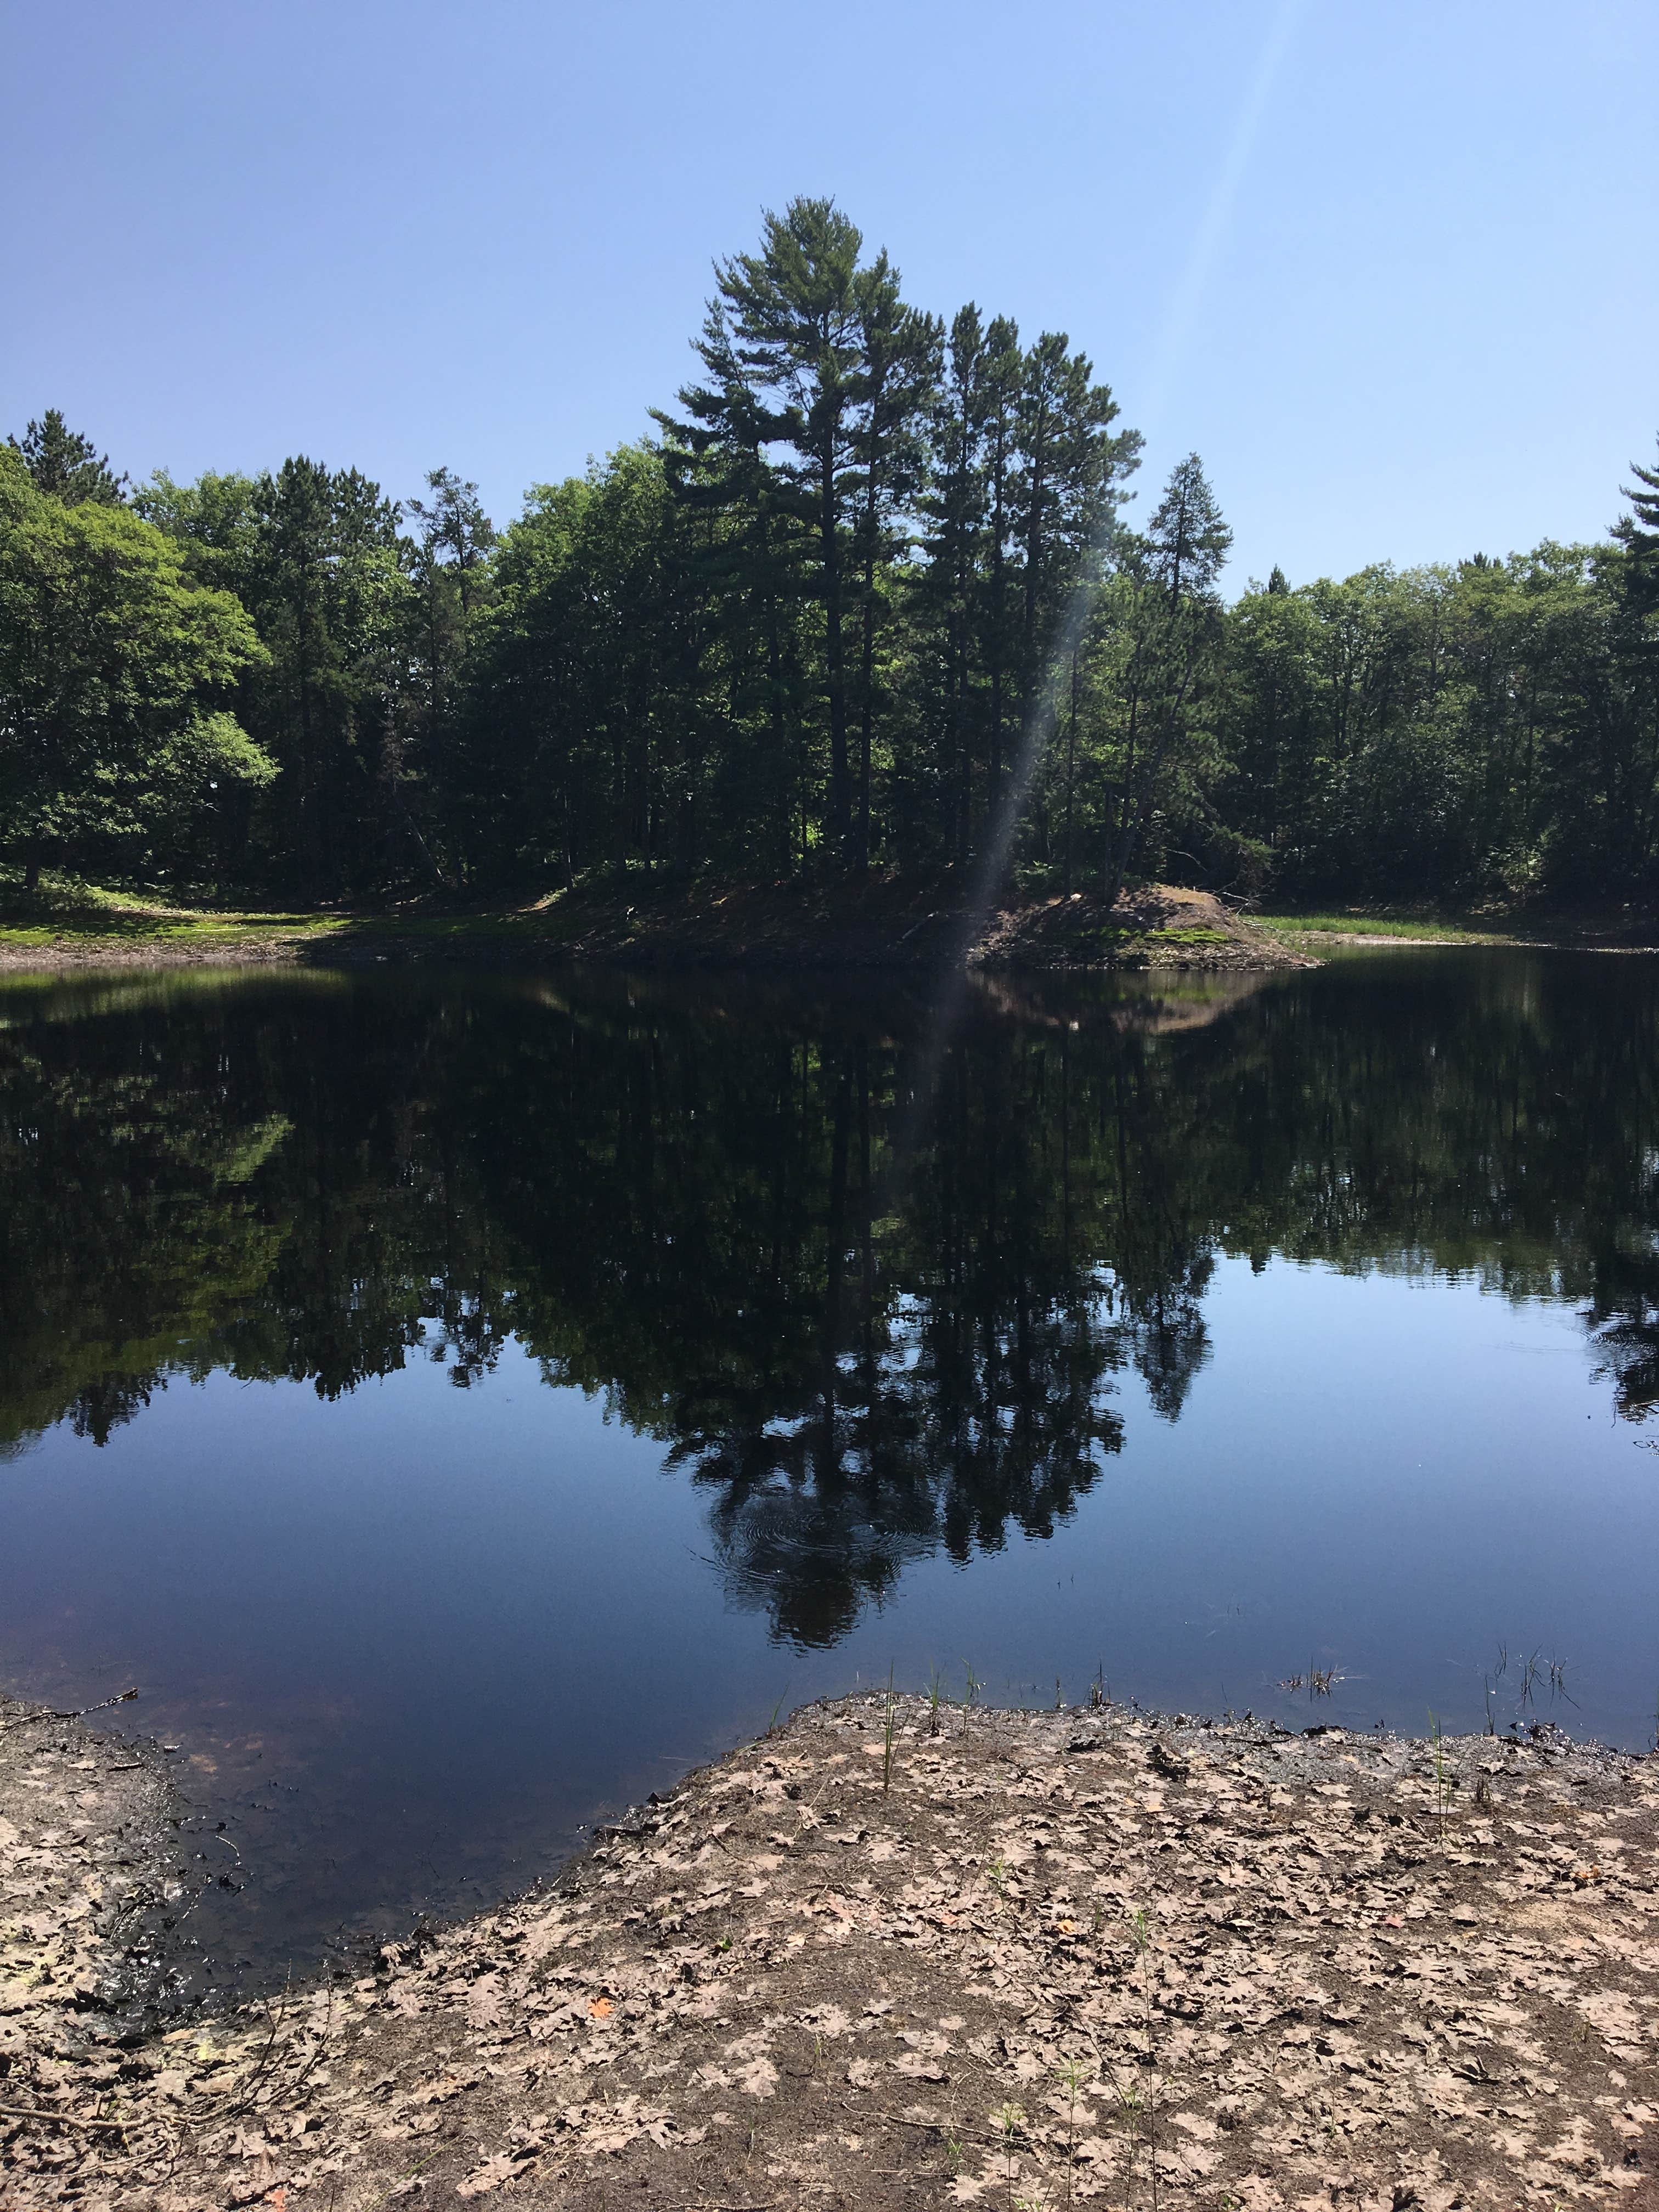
(115, 669)
(315, 556)
(866, 598)
(1490, 729)
(1639, 532)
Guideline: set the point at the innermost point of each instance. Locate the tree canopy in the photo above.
(868, 595)
(68, 465)
(116, 669)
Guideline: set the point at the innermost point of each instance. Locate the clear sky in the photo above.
(1388, 264)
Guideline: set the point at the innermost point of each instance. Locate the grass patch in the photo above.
(87, 914)
(1355, 922)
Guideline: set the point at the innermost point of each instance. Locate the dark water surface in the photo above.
(461, 1404)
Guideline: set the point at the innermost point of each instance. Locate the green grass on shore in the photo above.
(83, 920)
(68, 919)
(1620, 928)
(1357, 922)
(75, 913)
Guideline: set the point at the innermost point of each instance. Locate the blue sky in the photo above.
(1388, 265)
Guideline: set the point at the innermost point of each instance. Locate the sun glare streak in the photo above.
(990, 862)
(1211, 231)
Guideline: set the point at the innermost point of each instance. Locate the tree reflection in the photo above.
(871, 1325)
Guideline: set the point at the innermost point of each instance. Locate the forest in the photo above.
(877, 591)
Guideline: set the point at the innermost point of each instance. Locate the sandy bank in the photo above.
(1007, 1959)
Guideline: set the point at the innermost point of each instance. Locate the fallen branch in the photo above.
(61, 2119)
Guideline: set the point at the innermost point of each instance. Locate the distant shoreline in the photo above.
(886, 924)
(882, 923)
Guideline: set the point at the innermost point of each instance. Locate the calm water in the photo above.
(459, 1405)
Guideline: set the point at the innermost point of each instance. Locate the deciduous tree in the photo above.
(115, 672)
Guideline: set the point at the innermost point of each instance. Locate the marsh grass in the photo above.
(1444, 1782)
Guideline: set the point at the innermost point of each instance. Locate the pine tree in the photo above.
(66, 465)
(325, 586)
(456, 535)
(1638, 533)
(1639, 529)
(794, 311)
(1171, 629)
(1069, 487)
(1005, 372)
(746, 545)
(1188, 539)
(898, 372)
(953, 506)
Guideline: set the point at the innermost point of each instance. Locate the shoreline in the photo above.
(887, 926)
(890, 925)
(891, 1947)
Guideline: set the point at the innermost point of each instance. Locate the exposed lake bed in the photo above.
(896, 1944)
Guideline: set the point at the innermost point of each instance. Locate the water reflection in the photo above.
(869, 1327)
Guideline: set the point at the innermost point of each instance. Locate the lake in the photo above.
(460, 1403)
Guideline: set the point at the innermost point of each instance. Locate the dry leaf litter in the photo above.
(943, 1958)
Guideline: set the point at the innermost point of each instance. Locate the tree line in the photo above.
(869, 594)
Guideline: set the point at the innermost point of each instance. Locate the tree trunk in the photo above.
(867, 678)
(867, 659)
(993, 777)
(830, 536)
(1071, 768)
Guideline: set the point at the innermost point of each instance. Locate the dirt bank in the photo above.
(1007, 1959)
(884, 922)
(895, 922)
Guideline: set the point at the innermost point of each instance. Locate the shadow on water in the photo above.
(684, 1199)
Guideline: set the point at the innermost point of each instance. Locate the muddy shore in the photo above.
(895, 1956)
